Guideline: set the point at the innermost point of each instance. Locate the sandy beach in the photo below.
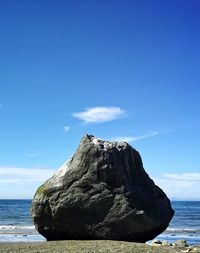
(88, 247)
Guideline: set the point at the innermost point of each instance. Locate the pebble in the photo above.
(167, 244)
(156, 243)
(180, 245)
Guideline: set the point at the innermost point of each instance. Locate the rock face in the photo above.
(103, 192)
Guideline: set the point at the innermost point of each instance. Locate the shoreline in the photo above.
(33, 236)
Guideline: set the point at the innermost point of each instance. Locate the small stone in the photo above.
(180, 244)
(194, 249)
(186, 250)
(166, 244)
(156, 243)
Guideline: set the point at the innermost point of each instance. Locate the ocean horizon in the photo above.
(16, 224)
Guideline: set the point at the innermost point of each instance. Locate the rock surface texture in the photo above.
(102, 192)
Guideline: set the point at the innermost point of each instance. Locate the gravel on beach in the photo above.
(88, 247)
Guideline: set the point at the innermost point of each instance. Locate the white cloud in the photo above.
(66, 128)
(99, 114)
(135, 138)
(24, 175)
(184, 176)
(183, 186)
(17, 183)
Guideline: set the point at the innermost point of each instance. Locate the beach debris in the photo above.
(102, 192)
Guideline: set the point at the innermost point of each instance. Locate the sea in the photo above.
(16, 223)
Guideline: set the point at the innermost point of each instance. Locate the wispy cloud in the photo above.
(135, 138)
(100, 114)
(24, 175)
(21, 182)
(183, 177)
(66, 128)
(143, 136)
(183, 186)
(1, 106)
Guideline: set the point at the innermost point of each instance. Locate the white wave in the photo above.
(21, 238)
(181, 229)
(9, 227)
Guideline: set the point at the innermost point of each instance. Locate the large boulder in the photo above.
(103, 192)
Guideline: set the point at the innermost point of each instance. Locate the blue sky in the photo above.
(115, 69)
